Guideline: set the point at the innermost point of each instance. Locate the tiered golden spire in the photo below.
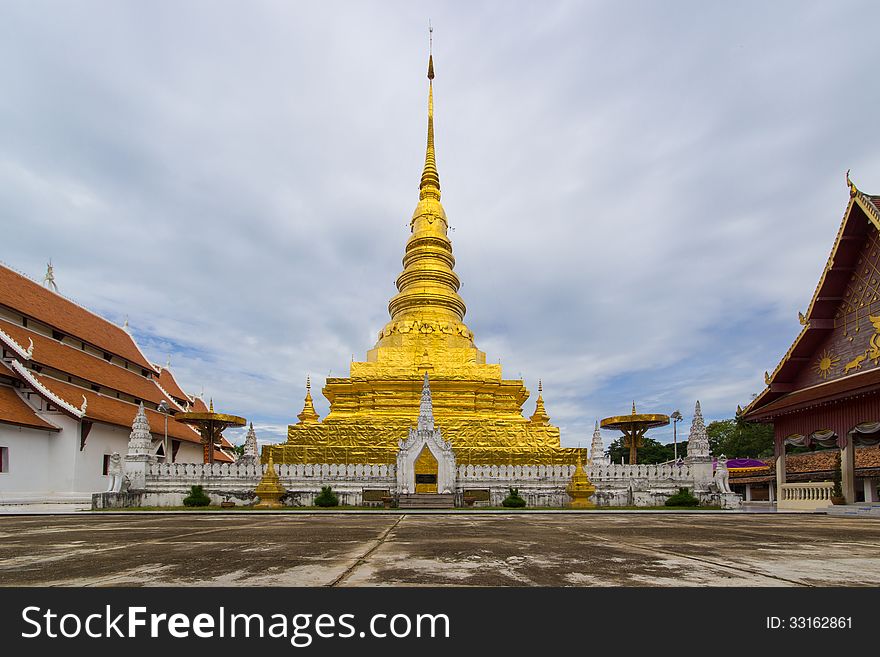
(430, 184)
(580, 488)
(428, 288)
(308, 414)
(540, 415)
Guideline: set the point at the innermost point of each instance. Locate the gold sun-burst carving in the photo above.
(826, 362)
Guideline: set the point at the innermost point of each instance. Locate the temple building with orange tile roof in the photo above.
(71, 383)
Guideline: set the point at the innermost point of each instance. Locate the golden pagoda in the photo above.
(477, 410)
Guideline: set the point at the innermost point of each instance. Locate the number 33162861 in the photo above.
(810, 623)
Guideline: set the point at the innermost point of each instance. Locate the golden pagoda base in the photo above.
(581, 489)
(269, 490)
(482, 441)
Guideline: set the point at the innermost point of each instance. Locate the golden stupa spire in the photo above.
(429, 187)
(540, 415)
(308, 414)
(428, 288)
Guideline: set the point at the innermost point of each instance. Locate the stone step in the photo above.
(426, 501)
(860, 510)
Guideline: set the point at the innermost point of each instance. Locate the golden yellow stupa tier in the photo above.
(372, 409)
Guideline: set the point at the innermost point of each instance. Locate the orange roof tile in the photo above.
(14, 410)
(78, 363)
(821, 461)
(169, 383)
(223, 458)
(101, 408)
(27, 297)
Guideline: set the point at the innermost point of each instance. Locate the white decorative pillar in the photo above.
(140, 451)
(597, 449)
(698, 455)
(771, 492)
(250, 447)
(748, 492)
(779, 445)
(847, 469)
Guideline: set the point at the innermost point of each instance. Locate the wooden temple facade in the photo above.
(825, 392)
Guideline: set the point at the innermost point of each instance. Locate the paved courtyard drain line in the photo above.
(339, 581)
(723, 566)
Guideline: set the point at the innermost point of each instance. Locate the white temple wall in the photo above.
(186, 453)
(49, 466)
(28, 454)
(89, 463)
(63, 448)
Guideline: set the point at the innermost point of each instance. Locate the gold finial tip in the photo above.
(540, 385)
(308, 382)
(212, 404)
(430, 67)
(634, 407)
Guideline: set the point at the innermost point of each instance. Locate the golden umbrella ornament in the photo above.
(634, 427)
(210, 426)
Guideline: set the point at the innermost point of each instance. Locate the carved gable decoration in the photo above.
(853, 344)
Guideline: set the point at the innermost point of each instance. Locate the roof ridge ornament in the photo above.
(49, 278)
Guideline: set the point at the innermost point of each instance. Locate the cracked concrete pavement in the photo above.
(528, 549)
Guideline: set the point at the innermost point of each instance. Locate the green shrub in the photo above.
(683, 498)
(196, 497)
(513, 500)
(327, 497)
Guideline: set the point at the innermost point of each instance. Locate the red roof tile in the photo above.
(169, 383)
(14, 410)
(76, 362)
(28, 298)
(101, 408)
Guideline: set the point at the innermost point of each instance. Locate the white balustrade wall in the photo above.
(805, 496)
(540, 485)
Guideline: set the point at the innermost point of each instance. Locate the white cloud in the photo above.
(643, 195)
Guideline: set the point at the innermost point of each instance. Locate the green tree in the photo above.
(737, 438)
(238, 450)
(650, 452)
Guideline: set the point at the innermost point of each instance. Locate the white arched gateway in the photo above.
(425, 462)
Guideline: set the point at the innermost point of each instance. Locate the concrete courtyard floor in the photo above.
(367, 549)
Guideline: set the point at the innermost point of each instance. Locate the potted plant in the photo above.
(837, 491)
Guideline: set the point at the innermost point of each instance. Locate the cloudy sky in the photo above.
(643, 193)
